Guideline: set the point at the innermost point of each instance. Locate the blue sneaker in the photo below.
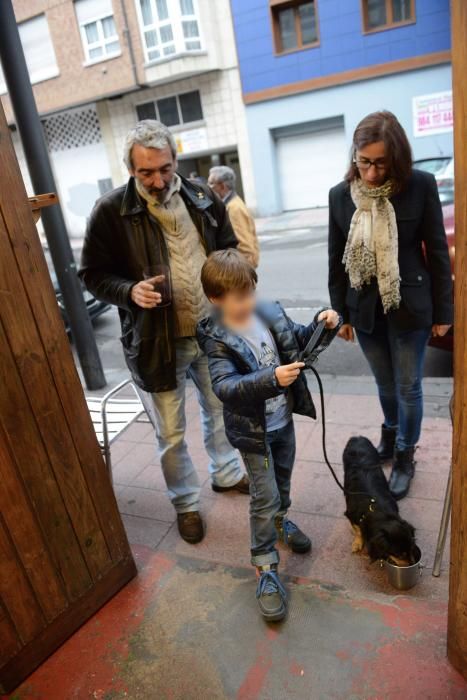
(271, 594)
(291, 535)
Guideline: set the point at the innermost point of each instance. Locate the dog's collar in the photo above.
(371, 509)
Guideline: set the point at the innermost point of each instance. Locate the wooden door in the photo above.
(63, 549)
(457, 625)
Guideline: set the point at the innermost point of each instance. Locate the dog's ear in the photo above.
(378, 546)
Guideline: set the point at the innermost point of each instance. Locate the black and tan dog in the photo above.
(371, 509)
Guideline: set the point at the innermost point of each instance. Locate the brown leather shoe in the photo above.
(190, 527)
(242, 486)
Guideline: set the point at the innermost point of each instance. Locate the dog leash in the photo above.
(323, 440)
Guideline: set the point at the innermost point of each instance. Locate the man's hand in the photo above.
(438, 330)
(287, 374)
(330, 316)
(144, 295)
(346, 332)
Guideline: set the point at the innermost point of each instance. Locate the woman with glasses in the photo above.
(390, 277)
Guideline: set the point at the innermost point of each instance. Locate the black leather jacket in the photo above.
(242, 385)
(425, 270)
(121, 240)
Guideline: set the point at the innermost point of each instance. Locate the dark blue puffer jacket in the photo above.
(242, 385)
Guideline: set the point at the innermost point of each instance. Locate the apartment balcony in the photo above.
(188, 40)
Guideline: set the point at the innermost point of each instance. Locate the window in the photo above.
(295, 25)
(97, 27)
(190, 104)
(383, 14)
(175, 110)
(169, 27)
(38, 51)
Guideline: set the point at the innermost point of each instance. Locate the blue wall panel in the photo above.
(343, 46)
(352, 101)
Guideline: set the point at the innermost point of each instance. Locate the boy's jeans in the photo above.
(269, 492)
(167, 410)
(396, 360)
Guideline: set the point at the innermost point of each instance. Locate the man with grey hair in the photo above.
(222, 181)
(161, 219)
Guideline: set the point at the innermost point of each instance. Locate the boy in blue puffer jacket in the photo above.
(253, 351)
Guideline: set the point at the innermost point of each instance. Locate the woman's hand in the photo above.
(438, 330)
(346, 332)
(330, 316)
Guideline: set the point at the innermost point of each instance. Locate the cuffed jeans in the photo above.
(167, 411)
(269, 492)
(396, 360)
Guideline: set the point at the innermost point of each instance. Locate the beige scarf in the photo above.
(372, 244)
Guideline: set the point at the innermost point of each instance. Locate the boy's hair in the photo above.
(227, 271)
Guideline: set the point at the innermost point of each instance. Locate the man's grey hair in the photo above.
(222, 173)
(150, 134)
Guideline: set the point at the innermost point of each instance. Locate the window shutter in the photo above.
(38, 49)
(89, 10)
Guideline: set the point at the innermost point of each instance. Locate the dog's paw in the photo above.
(357, 546)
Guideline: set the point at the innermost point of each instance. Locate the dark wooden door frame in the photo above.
(457, 621)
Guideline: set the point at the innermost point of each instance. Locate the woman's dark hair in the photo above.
(384, 126)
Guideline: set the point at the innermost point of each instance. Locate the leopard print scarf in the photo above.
(372, 244)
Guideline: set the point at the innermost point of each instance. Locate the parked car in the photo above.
(447, 341)
(445, 182)
(432, 165)
(94, 306)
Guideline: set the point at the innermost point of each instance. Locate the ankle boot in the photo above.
(403, 470)
(385, 448)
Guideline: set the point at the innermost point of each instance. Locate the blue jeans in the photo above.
(396, 360)
(167, 411)
(269, 492)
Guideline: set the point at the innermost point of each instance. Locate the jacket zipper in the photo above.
(164, 258)
(266, 458)
(166, 311)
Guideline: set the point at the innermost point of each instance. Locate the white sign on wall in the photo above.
(191, 141)
(432, 114)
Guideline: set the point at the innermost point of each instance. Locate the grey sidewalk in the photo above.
(292, 221)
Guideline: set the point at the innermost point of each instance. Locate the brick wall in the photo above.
(77, 83)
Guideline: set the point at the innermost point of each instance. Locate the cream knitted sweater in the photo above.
(186, 258)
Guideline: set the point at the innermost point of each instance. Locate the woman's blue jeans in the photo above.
(396, 360)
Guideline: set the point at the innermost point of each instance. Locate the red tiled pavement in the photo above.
(188, 628)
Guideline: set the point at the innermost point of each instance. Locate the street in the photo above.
(293, 269)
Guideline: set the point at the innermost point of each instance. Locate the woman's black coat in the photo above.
(425, 270)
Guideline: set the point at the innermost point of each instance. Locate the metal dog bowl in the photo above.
(404, 577)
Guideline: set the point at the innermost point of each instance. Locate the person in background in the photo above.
(160, 218)
(390, 277)
(197, 179)
(222, 181)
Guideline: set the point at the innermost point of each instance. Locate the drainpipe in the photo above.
(129, 42)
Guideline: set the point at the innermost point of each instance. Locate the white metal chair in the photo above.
(111, 416)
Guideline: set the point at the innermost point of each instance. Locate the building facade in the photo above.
(311, 69)
(97, 66)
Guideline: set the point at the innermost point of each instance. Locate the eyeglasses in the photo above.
(365, 163)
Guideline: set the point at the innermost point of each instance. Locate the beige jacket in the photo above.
(244, 228)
